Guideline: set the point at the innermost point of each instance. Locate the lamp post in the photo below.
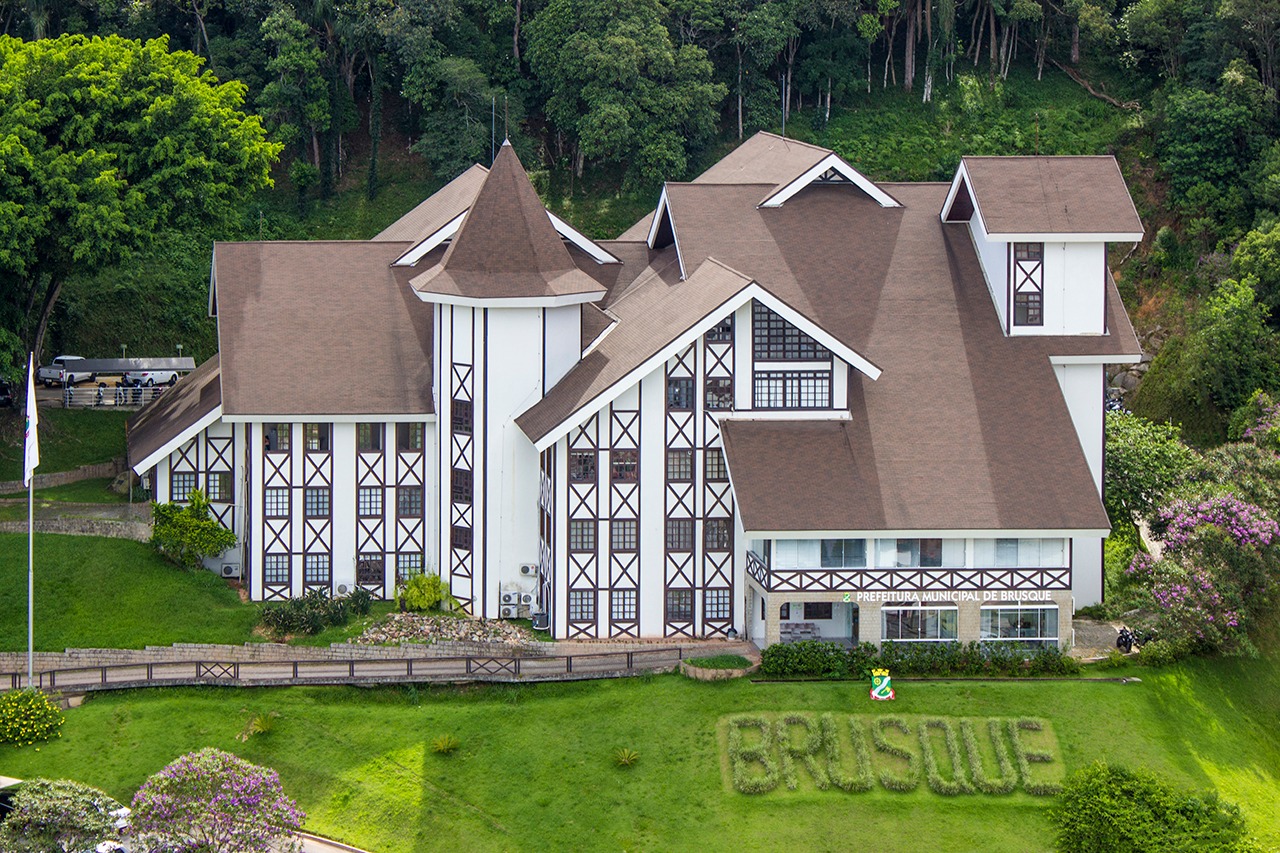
(179, 350)
(124, 348)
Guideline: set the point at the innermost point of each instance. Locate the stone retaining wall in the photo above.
(139, 531)
(61, 478)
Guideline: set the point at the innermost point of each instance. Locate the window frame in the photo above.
(717, 604)
(582, 605)
(583, 533)
(405, 501)
(282, 561)
(366, 496)
(682, 471)
(411, 437)
(624, 605)
(461, 485)
(717, 534)
(315, 497)
(680, 394)
(717, 393)
(282, 432)
(308, 579)
(578, 468)
(625, 531)
(721, 475)
(403, 571)
(922, 609)
(679, 535)
(461, 417)
(178, 495)
(679, 605)
(272, 506)
(624, 466)
(317, 437)
(370, 438)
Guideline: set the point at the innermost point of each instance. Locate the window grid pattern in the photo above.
(582, 466)
(719, 392)
(679, 534)
(716, 469)
(409, 501)
(622, 605)
(410, 437)
(369, 438)
(369, 501)
(774, 339)
(582, 605)
(219, 487)
(679, 605)
(408, 565)
(460, 417)
(582, 534)
(919, 624)
(1035, 624)
(275, 502)
(316, 569)
(715, 604)
(717, 534)
(624, 534)
(679, 466)
(461, 488)
(275, 569)
(792, 389)
(315, 437)
(624, 466)
(182, 484)
(369, 568)
(315, 501)
(679, 393)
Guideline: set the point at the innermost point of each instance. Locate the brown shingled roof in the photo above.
(765, 158)
(507, 246)
(321, 328)
(438, 210)
(176, 410)
(1052, 195)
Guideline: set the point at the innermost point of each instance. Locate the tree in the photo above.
(58, 815)
(105, 143)
(1257, 260)
(1145, 461)
(620, 88)
(186, 534)
(215, 802)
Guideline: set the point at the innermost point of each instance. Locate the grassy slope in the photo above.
(93, 592)
(69, 438)
(534, 766)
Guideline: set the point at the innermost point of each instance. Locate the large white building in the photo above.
(791, 402)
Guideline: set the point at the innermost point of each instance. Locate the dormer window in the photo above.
(1028, 284)
(778, 340)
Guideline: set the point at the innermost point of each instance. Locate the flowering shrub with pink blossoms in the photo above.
(214, 802)
(1219, 569)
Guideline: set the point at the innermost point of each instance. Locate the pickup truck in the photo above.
(62, 371)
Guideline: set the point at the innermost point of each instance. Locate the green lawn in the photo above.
(535, 770)
(97, 592)
(69, 438)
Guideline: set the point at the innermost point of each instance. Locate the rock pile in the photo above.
(423, 628)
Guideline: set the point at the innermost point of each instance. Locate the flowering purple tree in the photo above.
(214, 802)
(1219, 568)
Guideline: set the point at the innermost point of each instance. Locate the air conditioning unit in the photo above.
(541, 621)
(343, 589)
(510, 597)
(231, 570)
(526, 599)
(530, 569)
(509, 612)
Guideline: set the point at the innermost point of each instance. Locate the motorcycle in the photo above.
(1128, 638)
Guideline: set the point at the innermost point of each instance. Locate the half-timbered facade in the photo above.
(789, 403)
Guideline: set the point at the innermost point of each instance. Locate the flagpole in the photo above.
(30, 461)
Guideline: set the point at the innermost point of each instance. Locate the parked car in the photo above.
(63, 371)
(151, 377)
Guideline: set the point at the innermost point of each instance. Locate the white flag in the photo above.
(32, 458)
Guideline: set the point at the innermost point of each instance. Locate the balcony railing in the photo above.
(872, 579)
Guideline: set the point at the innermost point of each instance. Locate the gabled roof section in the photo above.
(173, 418)
(765, 158)
(507, 249)
(830, 169)
(443, 206)
(654, 321)
(662, 230)
(1065, 199)
(321, 328)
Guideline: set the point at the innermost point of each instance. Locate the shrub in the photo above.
(863, 778)
(213, 801)
(27, 716)
(54, 815)
(1114, 660)
(187, 534)
(262, 723)
(310, 614)
(359, 601)
(807, 657)
(958, 784)
(741, 757)
(1103, 808)
(909, 780)
(1008, 778)
(424, 592)
(720, 662)
(624, 757)
(1026, 757)
(445, 744)
(1159, 653)
(810, 745)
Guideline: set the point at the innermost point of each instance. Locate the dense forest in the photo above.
(372, 104)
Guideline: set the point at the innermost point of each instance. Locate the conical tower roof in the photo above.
(507, 247)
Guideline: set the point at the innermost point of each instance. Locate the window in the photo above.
(624, 534)
(679, 534)
(461, 488)
(219, 487)
(717, 534)
(582, 605)
(315, 501)
(844, 553)
(275, 569)
(582, 534)
(461, 417)
(1028, 251)
(679, 466)
(409, 501)
(715, 605)
(913, 553)
(716, 470)
(460, 538)
(721, 332)
(679, 393)
(814, 610)
(719, 392)
(784, 612)
(369, 501)
(679, 605)
(315, 569)
(624, 466)
(315, 437)
(1028, 308)
(276, 437)
(582, 466)
(369, 569)
(1006, 553)
(369, 438)
(1028, 284)
(409, 437)
(275, 502)
(792, 389)
(777, 340)
(622, 605)
(915, 623)
(182, 484)
(408, 565)
(1032, 625)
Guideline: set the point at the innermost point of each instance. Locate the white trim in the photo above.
(422, 249)
(1123, 358)
(577, 238)
(178, 440)
(1065, 236)
(664, 207)
(831, 161)
(511, 301)
(961, 172)
(781, 415)
(751, 291)
(970, 533)
(213, 280)
(599, 339)
(328, 418)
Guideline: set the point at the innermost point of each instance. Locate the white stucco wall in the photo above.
(994, 258)
(1082, 388)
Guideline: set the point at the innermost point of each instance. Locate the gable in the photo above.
(829, 170)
